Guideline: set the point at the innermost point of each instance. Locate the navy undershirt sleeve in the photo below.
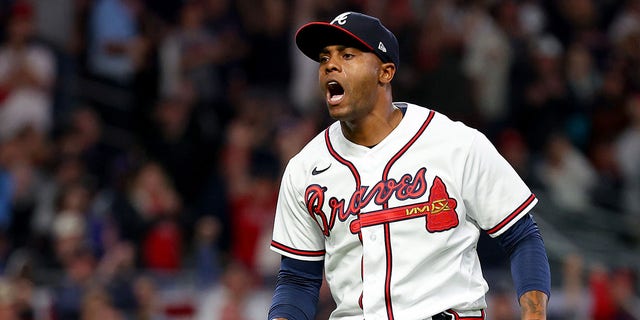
(529, 263)
(297, 288)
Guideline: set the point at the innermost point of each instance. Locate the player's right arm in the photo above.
(297, 237)
(297, 290)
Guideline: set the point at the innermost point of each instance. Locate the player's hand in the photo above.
(533, 305)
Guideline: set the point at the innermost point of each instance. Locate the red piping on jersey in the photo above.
(305, 253)
(387, 232)
(406, 147)
(356, 176)
(342, 160)
(514, 214)
(387, 277)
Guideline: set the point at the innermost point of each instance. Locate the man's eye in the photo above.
(347, 56)
(323, 59)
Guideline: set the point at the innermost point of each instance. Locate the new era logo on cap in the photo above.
(381, 47)
(350, 29)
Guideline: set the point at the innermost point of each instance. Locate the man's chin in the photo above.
(337, 112)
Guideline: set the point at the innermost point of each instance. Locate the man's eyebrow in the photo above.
(339, 48)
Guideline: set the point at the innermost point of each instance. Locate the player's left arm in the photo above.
(529, 267)
(533, 305)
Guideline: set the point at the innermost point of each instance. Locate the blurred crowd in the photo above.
(142, 142)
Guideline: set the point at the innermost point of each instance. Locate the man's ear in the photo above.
(387, 72)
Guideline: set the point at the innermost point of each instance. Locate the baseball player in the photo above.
(389, 201)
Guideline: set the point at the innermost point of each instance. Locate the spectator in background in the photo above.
(567, 174)
(55, 24)
(25, 304)
(176, 138)
(439, 79)
(250, 173)
(543, 105)
(487, 61)
(613, 294)
(573, 20)
(573, 295)
(97, 305)
(7, 301)
(206, 259)
(253, 210)
(192, 53)
(625, 22)
(583, 82)
(87, 140)
(503, 307)
(114, 40)
(69, 235)
(119, 78)
(532, 17)
(608, 191)
(607, 118)
(204, 51)
(149, 214)
(627, 154)
(27, 76)
(66, 171)
(625, 35)
(23, 157)
(583, 76)
(116, 272)
(237, 296)
(303, 71)
(269, 35)
(59, 25)
(149, 304)
(77, 279)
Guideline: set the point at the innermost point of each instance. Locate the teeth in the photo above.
(335, 92)
(335, 98)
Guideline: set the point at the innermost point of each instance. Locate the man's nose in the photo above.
(331, 66)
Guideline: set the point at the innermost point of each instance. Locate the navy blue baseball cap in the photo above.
(351, 29)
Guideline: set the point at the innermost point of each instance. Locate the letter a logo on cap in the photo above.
(341, 19)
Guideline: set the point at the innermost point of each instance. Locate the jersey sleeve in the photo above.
(295, 233)
(495, 195)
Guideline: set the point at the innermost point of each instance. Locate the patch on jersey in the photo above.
(442, 214)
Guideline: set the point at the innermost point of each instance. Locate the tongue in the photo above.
(335, 98)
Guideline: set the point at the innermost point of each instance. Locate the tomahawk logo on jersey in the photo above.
(369, 212)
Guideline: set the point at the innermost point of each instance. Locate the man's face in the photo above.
(349, 78)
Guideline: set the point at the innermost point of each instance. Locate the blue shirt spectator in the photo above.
(113, 30)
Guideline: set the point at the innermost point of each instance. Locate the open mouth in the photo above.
(335, 92)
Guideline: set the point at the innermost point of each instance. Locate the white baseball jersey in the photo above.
(397, 224)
